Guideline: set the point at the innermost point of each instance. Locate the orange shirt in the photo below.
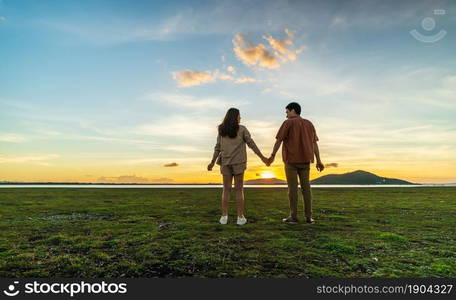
(298, 136)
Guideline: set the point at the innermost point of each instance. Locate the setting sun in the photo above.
(267, 174)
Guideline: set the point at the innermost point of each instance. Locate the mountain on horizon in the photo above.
(357, 177)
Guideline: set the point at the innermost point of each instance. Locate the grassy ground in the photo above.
(383, 232)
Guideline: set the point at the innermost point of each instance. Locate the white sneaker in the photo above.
(241, 220)
(223, 220)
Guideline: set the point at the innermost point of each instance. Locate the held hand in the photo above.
(210, 166)
(320, 166)
(264, 160)
(271, 159)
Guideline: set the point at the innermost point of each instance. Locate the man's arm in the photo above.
(320, 165)
(274, 150)
(281, 135)
(276, 147)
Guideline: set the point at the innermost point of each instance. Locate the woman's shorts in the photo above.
(235, 169)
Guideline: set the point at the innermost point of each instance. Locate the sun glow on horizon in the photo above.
(267, 174)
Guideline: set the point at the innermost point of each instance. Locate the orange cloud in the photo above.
(335, 165)
(245, 80)
(191, 78)
(173, 164)
(282, 47)
(281, 51)
(253, 54)
(222, 76)
(278, 52)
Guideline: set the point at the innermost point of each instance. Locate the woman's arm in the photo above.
(251, 143)
(215, 155)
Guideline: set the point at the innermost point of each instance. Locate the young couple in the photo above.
(299, 147)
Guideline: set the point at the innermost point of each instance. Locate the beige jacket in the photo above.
(232, 151)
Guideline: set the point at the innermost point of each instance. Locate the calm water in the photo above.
(177, 186)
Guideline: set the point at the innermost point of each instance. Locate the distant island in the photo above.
(265, 181)
(357, 177)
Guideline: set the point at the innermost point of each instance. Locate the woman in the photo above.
(230, 153)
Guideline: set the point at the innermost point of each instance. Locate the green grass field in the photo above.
(371, 232)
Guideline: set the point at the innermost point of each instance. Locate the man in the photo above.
(299, 147)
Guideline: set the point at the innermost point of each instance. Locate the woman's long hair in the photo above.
(230, 125)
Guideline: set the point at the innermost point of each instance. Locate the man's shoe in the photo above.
(241, 220)
(290, 220)
(310, 220)
(223, 220)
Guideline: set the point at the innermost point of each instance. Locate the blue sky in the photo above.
(95, 89)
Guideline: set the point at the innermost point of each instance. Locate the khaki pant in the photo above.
(292, 171)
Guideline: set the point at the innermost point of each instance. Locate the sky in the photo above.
(133, 91)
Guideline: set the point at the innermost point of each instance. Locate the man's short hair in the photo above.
(295, 106)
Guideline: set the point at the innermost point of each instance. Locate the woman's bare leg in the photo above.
(239, 188)
(227, 182)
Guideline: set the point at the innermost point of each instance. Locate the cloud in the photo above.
(263, 133)
(283, 48)
(370, 15)
(115, 29)
(38, 159)
(245, 80)
(2, 18)
(252, 55)
(188, 101)
(225, 17)
(262, 130)
(389, 145)
(179, 126)
(123, 179)
(183, 148)
(175, 148)
(159, 161)
(185, 102)
(173, 164)
(47, 132)
(279, 51)
(188, 78)
(162, 180)
(11, 138)
(113, 139)
(335, 165)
